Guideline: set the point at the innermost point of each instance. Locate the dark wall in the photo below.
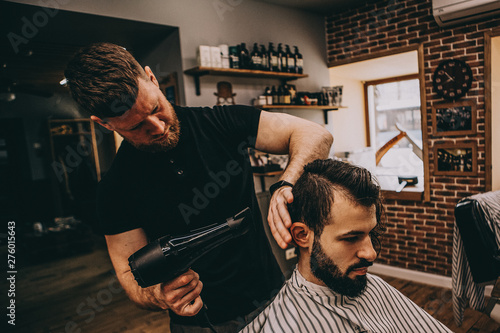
(25, 126)
(37, 64)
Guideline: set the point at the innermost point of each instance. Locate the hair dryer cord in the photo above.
(203, 320)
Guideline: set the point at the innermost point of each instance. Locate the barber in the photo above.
(180, 169)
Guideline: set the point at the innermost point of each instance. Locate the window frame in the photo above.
(407, 194)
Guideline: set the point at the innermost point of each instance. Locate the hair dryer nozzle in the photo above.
(148, 262)
(170, 256)
(240, 222)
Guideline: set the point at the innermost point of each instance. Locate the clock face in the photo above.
(452, 79)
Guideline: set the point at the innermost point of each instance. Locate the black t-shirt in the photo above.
(204, 180)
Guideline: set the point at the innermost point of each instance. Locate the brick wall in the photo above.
(420, 234)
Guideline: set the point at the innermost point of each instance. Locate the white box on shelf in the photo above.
(203, 56)
(215, 56)
(224, 51)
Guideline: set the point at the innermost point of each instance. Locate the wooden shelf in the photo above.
(262, 176)
(407, 195)
(324, 108)
(72, 134)
(305, 107)
(72, 120)
(200, 71)
(268, 174)
(196, 72)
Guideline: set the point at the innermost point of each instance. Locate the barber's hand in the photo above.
(278, 217)
(182, 294)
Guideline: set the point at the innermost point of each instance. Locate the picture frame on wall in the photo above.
(454, 119)
(455, 159)
(169, 87)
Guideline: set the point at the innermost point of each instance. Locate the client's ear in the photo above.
(301, 234)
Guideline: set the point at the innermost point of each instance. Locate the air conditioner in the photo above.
(452, 12)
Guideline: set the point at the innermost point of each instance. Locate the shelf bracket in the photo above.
(197, 84)
(325, 114)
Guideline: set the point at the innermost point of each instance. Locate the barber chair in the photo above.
(478, 222)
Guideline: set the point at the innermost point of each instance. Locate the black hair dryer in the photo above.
(170, 256)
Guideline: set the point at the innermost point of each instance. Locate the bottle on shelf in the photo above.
(265, 58)
(290, 60)
(275, 96)
(293, 95)
(281, 95)
(244, 56)
(281, 59)
(234, 61)
(273, 59)
(299, 61)
(255, 58)
(269, 96)
(287, 96)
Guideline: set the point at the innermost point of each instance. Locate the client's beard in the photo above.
(325, 269)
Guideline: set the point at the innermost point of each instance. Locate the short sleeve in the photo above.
(115, 211)
(117, 206)
(240, 122)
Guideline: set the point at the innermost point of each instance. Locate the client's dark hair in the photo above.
(103, 79)
(313, 194)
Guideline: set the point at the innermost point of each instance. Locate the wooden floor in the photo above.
(81, 294)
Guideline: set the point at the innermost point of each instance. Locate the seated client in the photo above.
(337, 215)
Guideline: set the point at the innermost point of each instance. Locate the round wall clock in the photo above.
(452, 79)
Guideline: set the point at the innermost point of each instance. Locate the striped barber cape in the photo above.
(302, 306)
(465, 291)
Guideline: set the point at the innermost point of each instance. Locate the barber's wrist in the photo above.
(273, 188)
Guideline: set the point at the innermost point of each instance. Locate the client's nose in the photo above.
(366, 250)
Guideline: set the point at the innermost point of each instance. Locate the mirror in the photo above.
(384, 115)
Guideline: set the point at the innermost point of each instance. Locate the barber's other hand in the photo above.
(278, 218)
(182, 294)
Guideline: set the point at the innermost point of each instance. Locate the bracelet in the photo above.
(277, 185)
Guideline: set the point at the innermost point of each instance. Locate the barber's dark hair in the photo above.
(103, 79)
(313, 194)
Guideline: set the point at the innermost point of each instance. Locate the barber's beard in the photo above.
(164, 143)
(323, 268)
